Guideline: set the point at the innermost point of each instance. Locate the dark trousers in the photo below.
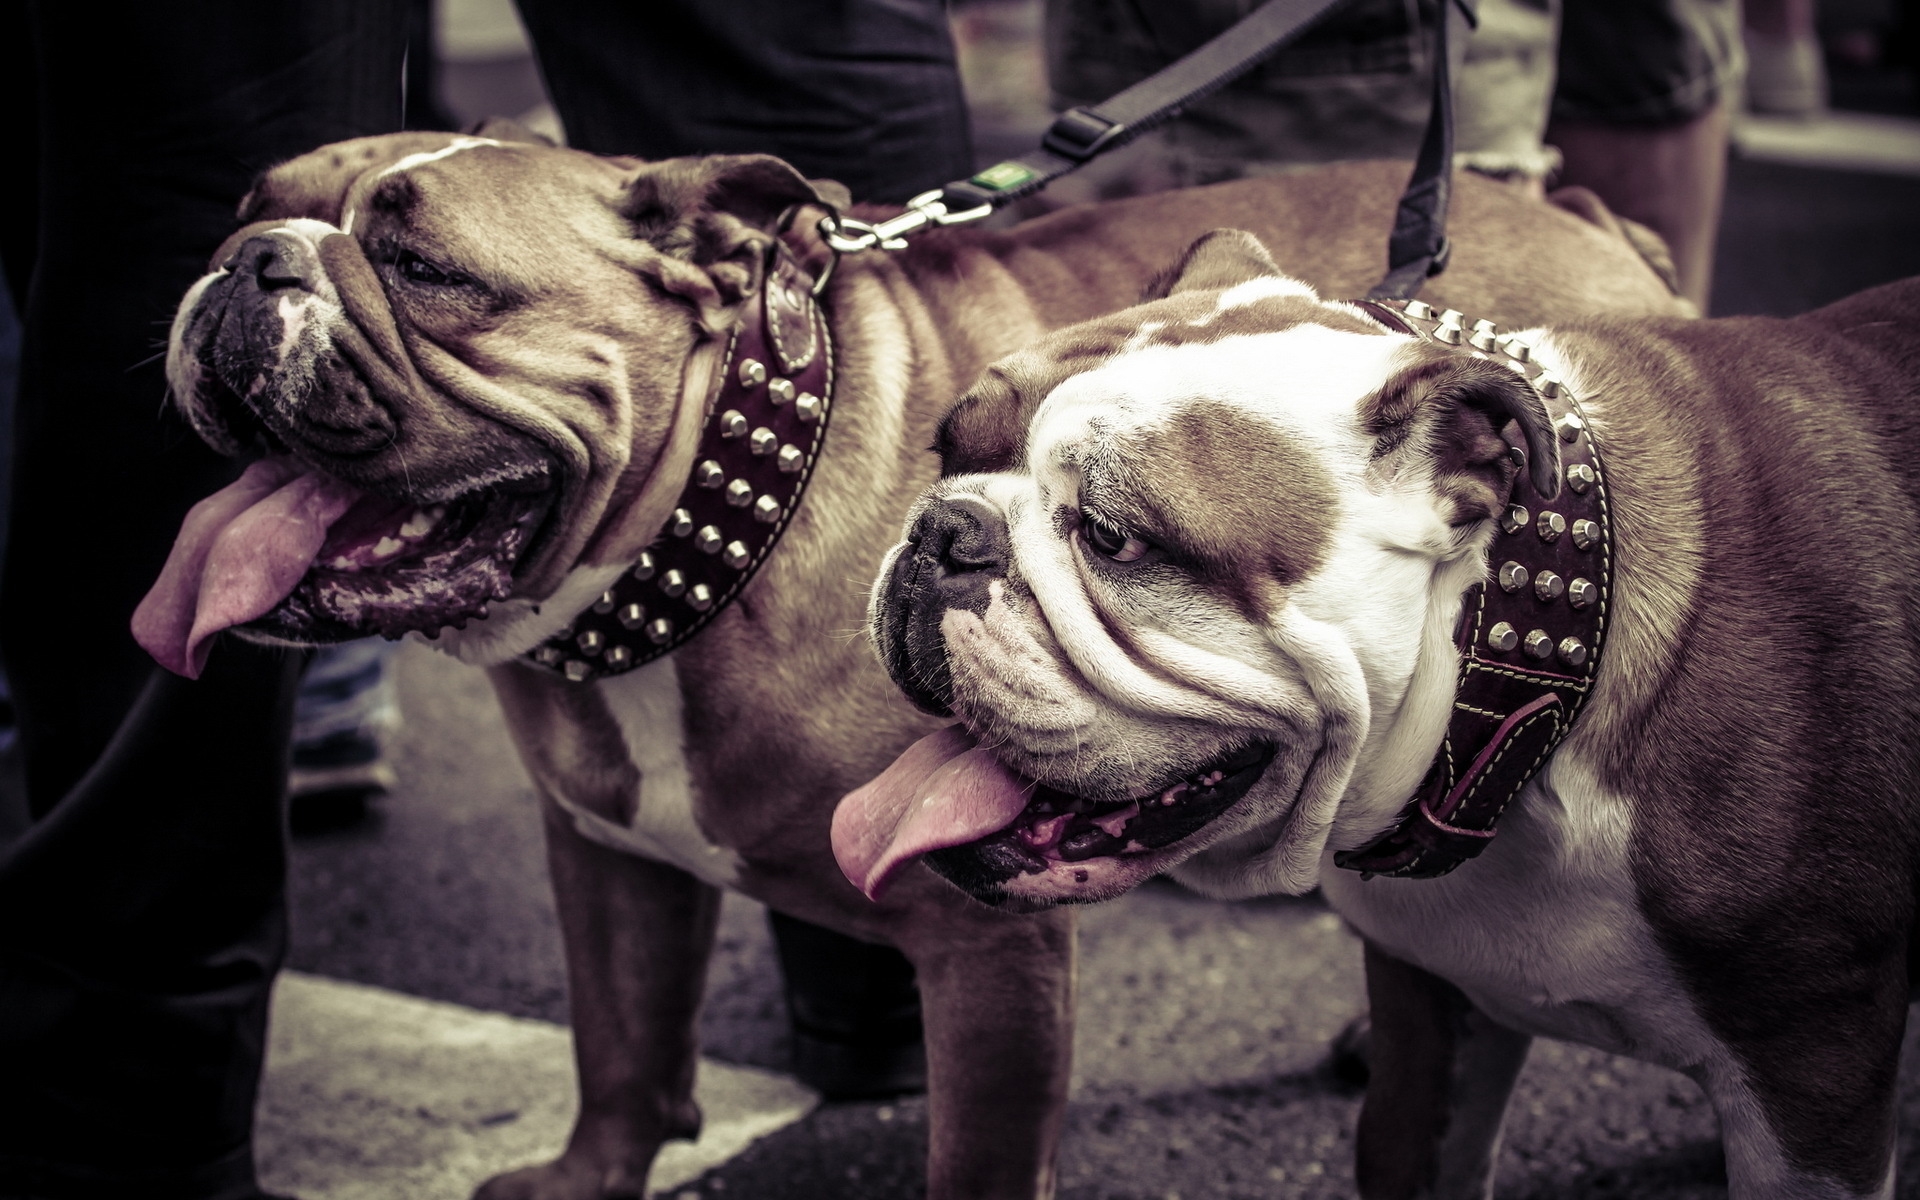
(865, 92)
(142, 914)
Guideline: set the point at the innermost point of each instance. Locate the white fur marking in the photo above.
(1265, 287)
(426, 156)
(647, 704)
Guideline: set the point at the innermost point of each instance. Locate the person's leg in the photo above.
(1786, 71)
(866, 92)
(1641, 116)
(1670, 178)
(140, 917)
(141, 924)
(862, 91)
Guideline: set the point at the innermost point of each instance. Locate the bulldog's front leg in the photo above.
(638, 935)
(997, 995)
(1440, 1076)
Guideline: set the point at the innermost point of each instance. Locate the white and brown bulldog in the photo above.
(1216, 584)
(483, 373)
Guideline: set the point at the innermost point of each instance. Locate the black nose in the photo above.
(274, 263)
(955, 550)
(964, 539)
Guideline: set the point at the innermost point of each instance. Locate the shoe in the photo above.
(855, 1010)
(354, 761)
(330, 781)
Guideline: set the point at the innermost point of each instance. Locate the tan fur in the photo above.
(1238, 532)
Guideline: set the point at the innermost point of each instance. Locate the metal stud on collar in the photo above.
(750, 470)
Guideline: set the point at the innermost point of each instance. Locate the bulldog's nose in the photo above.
(274, 262)
(956, 549)
(965, 539)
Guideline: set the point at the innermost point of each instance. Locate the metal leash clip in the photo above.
(848, 235)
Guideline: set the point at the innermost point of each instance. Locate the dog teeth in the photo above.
(343, 563)
(387, 547)
(421, 522)
(1116, 821)
(1043, 833)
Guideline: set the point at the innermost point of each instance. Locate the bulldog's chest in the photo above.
(1543, 931)
(628, 786)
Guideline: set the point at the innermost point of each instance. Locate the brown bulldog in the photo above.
(1224, 579)
(481, 371)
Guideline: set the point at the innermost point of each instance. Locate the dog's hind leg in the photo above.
(1855, 1109)
(638, 935)
(997, 995)
(1441, 1072)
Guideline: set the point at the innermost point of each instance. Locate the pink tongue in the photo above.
(240, 551)
(944, 791)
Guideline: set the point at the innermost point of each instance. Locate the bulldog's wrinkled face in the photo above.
(1187, 562)
(461, 358)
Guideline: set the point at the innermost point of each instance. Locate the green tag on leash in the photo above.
(1004, 176)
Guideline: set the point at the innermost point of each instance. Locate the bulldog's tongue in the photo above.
(944, 791)
(240, 551)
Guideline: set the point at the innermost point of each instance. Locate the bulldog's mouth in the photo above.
(980, 825)
(291, 553)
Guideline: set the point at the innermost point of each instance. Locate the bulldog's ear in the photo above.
(506, 129)
(1220, 259)
(986, 430)
(1460, 412)
(717, 214)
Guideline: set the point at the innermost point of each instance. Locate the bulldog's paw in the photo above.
(569, 1177)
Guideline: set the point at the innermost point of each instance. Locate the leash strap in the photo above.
(1418, 248)
(1530, 637)
(1079, 135)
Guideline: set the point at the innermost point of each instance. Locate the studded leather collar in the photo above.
(1529, 638)
(766, 423)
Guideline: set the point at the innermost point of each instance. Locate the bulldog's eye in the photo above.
(1109, 542)
(415, 269)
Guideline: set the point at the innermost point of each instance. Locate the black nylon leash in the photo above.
(1080, 134)
(1417, 248)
